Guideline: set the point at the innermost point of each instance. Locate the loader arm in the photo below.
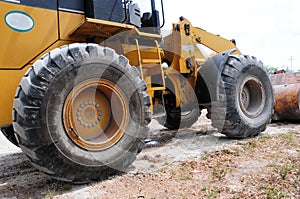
(214, 42)
(210, 40)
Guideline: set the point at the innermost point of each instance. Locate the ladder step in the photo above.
(150, 88)
(151, 61)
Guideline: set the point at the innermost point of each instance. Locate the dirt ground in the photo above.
(196, 162)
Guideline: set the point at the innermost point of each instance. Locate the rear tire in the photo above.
(176, 119)
(81, 113)
(246, 98)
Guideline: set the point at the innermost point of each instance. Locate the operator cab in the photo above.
(140, 13)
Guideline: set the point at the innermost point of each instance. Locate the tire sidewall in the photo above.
(54, 102)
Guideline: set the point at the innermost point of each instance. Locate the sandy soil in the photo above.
(196, 162)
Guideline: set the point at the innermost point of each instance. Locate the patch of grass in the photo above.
(212, 194)
(251, 145)
(219, 173)
(289, 167)
(50, 194)
(281, 180)
(289, 138)
(185, 177)
(274, 193)
(284, 171)
(265, 138)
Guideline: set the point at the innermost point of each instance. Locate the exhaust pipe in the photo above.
(286, 87)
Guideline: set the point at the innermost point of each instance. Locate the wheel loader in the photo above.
(81, 81)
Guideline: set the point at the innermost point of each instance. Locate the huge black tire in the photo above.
(81, 113)
(175, 119)
(246, 98)
(9, 133)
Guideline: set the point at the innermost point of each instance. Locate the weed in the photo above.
(284, 171)
(50, 194)
(290, 139)
(185, 177)
(274, 193)
(265, 138)
(210, 191)
(250, 146)
(289, 167)
(212, 194)
(219, 173)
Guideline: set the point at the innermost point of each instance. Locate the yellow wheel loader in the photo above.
(81, 80)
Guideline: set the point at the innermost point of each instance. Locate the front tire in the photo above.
(81, 113)
(246, 98)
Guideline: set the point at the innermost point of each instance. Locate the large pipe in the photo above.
(286, 88)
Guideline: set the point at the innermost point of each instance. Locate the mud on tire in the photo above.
(61, 103)
(246, 98)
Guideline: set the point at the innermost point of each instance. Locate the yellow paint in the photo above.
(68, 22)
(18, 48)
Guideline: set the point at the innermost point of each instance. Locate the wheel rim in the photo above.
(95, 114)
(252, 97)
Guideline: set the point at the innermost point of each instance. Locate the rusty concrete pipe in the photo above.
(286, 88)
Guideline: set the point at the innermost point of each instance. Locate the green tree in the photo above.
(270, 69)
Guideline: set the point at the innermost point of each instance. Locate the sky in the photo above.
(267, 29)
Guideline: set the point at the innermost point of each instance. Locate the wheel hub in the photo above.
(95, 114)
(251, 97)
(89, 114)
(246, 97)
